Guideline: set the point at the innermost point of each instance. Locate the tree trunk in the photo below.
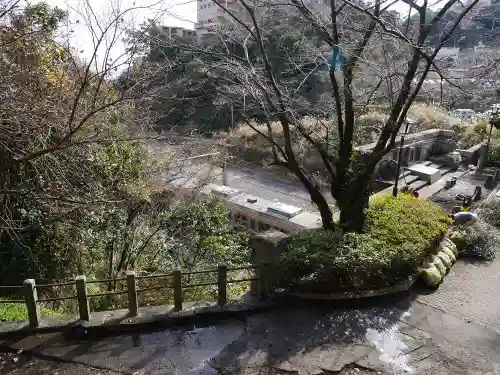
(271, 138)
(354, 210)
(325, 212)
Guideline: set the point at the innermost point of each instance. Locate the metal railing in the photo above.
(82, 296)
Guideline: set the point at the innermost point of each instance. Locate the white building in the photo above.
(210, 15)
(169, 32)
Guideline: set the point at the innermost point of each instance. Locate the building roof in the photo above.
(274, 209)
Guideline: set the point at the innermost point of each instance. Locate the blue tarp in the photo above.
(338, 59)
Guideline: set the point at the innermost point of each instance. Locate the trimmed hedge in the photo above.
(399, 234)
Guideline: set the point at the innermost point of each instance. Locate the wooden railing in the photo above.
(82, 296)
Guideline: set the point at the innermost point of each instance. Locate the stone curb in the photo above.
(404, 286)
(150, 319)
(156, 318)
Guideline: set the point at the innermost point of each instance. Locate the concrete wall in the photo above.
(419, 146)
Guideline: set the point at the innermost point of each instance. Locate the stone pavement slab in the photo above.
(398, 338)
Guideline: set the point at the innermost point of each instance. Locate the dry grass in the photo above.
(245, 133)
(430, 117)
(372, 118)
(254, 148)
(425, 117)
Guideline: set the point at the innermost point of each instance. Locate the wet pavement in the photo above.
(401, 337)
(454, 330)
(46, 367)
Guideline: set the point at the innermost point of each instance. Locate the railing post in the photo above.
(30, 296)
(177, 289)
(263, 280)
(83, 299)
(222, 285)
(133, 306)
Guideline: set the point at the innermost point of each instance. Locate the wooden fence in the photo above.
(82, 296)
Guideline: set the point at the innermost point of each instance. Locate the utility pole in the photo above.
(225, 153)
(224, 166)
(400, 155)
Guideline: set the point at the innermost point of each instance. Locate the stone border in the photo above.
(362, 294)
(108, 323)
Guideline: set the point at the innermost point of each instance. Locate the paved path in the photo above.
(455, 331)
(254, 181)
(472, 292)
(405, 336)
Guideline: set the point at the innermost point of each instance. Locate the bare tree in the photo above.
(375, 55)
(66, 126)
(57, 104)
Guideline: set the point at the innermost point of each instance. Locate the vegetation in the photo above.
(474, 135)
(252, 147)
(17, 311)
(481, 239)
(76, 194)
(477, 241)
(482, 28)
(257, 63)
(399, 234)
(490, 212)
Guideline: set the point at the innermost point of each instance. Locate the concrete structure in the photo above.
(133, 305)
(32, 307)
(32, 302)
(266, 250)
(471, 155)
(82, 297)
(426, 173)
(210, 16)
(171, 31)
(418, 147)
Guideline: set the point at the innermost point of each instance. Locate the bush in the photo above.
(479, 241)
(400, 233)
(474, 135)
(17, 311)
(494, 153)
(430, 117)
(490, 212)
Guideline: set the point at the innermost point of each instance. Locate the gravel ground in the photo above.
(19, 364)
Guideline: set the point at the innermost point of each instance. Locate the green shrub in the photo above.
(494, 153)
(17, 311)
(400, 233)
(474, 135)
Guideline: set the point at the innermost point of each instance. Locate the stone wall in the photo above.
(417, 147)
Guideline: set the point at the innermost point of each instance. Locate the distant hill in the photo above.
(483, 25)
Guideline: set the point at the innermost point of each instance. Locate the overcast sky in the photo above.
(167, 12)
